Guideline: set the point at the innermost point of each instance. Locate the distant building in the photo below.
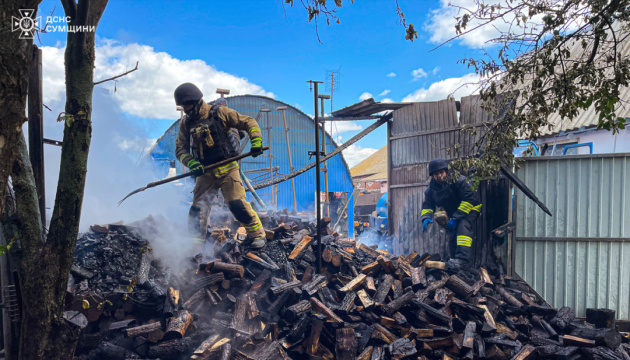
(370, 175)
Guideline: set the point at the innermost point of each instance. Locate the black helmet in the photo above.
(437, 165)
(187, 93)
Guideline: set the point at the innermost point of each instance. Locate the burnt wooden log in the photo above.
(297, 309)
(459, 286)
(439, 315)
(178, 324)
(257, 260)
(418, 278)
(601, 318)
(380, 332)
(318, 306)
(368, 250)
(402, 348)
(348, 302)
(508, 297)
(395, 305)
(469, 335)
(366, 354)
(327, 255)
(226, 352)
(300, 248)
(336, 260)
(317, 323)
(201, 352)
(599, 353)
(526, 352)
(563, 318)
(602, 337)
(311, 287)
(195, 299)
(354, 284)
(171, 302)
(383, 289)
(170, 349)
(435, 265)
(365, 299)
(298, 329)
(230, 270)
(240, 310)
(110, 351)
(570, 340)
(276, 305)
(556, 351)
(285, 287)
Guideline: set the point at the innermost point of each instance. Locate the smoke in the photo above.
(114, 170)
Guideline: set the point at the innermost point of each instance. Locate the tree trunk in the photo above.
(46, 265)
(16, 55)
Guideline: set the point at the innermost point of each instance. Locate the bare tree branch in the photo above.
(118, 76)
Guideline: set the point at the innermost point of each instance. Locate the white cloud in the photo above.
(435, 70)
(441, 25)
(365, 96)
(345, 126)
(461, 86)
(418, 74)
(148, 91)
(385, 92)
(354, 154)
(391, 74)
(387, 100)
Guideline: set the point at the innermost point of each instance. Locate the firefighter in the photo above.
(461, 204)
(205, 137)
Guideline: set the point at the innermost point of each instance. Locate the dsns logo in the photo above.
(26, 25)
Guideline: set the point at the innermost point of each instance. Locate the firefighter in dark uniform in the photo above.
(206, 136)
(461, 204)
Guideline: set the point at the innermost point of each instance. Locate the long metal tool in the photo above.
(286, 135)
(184, 175)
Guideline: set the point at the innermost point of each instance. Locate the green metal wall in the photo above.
(580, 256)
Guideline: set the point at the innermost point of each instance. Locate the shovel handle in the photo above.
(208, 167)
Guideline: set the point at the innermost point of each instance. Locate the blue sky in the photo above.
(267, 48)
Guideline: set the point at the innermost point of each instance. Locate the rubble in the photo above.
(273, 304)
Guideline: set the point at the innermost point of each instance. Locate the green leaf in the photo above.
(85, 304)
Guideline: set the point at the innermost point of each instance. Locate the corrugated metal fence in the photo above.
(419, 133)
(580, 257)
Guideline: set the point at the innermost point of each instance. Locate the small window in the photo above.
(560, 147)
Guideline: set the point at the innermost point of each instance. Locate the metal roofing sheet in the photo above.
(366, 108)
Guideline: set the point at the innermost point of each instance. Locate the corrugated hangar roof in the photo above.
(588, 118)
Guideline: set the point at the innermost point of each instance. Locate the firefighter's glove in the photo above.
(425, 224)
(451, 225)
(256, 147)
(196, 167)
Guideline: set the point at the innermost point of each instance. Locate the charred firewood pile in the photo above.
(273, 304)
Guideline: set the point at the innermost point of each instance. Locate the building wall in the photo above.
(604, 142)
(372, 185)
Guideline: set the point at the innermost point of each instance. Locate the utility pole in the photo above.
(317, 179)
(327, 202)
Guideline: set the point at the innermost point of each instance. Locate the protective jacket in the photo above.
(211, 139)
(457, 198)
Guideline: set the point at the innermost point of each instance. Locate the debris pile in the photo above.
(273, 304)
